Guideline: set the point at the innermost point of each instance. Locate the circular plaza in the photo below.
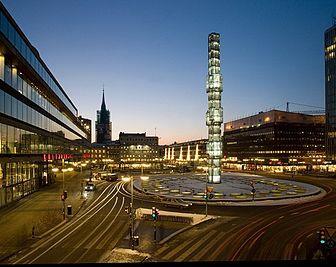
(234, 187)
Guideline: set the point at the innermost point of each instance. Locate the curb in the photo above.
(239, 201)
(166, 239)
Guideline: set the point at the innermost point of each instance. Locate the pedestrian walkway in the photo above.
(37, 213)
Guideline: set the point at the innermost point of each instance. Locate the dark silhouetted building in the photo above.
(103, 124)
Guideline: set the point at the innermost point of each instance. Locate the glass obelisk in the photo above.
(214, 114)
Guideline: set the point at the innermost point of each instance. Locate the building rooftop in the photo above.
(272, 116)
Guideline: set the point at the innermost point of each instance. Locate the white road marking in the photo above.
(65, 228)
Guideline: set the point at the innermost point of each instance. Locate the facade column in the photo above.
(181, 153)
(188, 153)
(196, 153)
(172, 155)
(169, 153)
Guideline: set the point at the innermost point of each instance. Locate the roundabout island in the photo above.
(234, 189)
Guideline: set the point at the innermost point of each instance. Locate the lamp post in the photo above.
(63, 171)
(82, 184)
(206, 192)
(130, 179)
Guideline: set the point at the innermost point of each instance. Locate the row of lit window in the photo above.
(12, 107)
(18, 141)
(17, 41)
(30, 91)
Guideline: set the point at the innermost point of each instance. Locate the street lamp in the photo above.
(63, 171)
(82, 184)
(126, 180)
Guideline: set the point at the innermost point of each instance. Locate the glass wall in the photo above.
(17, 41)
(29, 90)
(17, 180)
(16, 109)
(18, 141)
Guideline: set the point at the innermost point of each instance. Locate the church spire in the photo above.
(103, 106)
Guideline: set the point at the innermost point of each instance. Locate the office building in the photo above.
(330, 92)
(274, 138)
(139, 148)
(39, 124)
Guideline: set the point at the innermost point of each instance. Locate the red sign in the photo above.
(47, 157)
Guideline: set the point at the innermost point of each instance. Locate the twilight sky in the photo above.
(151, 56)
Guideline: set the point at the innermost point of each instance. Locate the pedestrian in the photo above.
(33, 232)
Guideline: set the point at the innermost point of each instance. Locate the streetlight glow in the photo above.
(55, 169)
(144, 178)
(126, 179)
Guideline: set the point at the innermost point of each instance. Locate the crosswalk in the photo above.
(203, 246)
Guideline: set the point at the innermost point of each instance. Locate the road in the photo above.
(256, 233)
(86, 238)
(260, 233)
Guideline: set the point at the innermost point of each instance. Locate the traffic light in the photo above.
(156, 214)
(127, 210)
(65, 193)
(153, 213)
(322, 237)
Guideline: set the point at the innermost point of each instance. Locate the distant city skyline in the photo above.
(151, 57)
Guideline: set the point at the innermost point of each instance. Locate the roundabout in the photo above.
(235, 188)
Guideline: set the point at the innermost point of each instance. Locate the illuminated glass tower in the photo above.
(214, 115)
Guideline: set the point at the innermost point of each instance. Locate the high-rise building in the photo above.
(330, 91)
(214, 115)
(39, 124)
(103, 124)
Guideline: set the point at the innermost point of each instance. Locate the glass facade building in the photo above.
(330, 92)
(39, 124)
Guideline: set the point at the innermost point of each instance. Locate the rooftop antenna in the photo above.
(155, 131)
(103, 87)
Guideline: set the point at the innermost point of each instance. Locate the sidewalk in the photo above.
(41, 210)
